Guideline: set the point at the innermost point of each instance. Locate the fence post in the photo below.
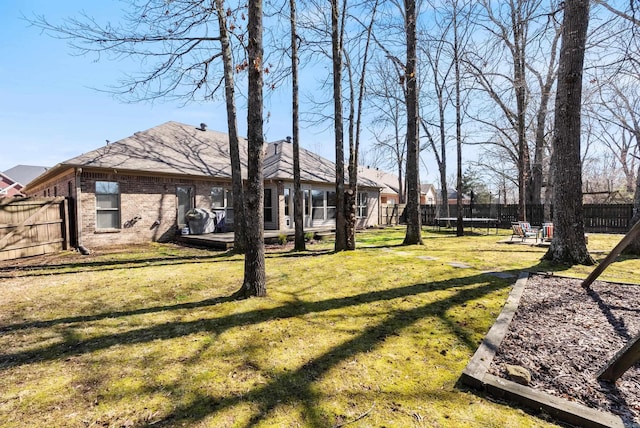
(65, 224)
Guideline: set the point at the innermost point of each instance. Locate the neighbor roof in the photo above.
(387, 181)
(23, 174)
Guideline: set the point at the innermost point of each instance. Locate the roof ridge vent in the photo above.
(203, 127)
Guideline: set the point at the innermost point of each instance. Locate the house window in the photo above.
(323, 205)
(229, 195)
(362, 204)
(287, 195)
(331, 205)
(222, 200)
(317, 204)
(217, 197)
(186, 202)
(305, 202)
(268, 206)
(107, 205)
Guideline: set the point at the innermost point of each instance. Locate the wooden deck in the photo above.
(224, 241)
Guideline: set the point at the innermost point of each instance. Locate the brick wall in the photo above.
(148, 207)
(60, 185)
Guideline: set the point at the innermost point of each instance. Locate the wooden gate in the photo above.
(33, 226)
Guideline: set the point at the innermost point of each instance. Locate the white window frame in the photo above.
(362, 205)
(113, 188)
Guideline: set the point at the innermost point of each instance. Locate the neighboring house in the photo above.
(389, 184)
(428, 194)
(390, 208)
(139, 189)
(453, 198)
(14, 179)
(9, 186)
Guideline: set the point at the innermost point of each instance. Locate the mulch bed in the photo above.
(564, 334)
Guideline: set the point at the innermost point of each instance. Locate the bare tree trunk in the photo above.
(254, 264)
(298, 215)
(442, 164)
(534, 188)
(239, 219)
(354, 140)
(440, 154)
(351, 192)
(456, 66)
(568, 245)
(520, 87)
(414, 226)
(336, 42)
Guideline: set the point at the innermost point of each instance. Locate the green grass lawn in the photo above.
(376, 337)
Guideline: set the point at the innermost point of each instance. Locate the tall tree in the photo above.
(457, 98)
(388, 126)
(444, 48)
(337, 37)
(545, 81)
(568, 245)
(414, 224)
(239, 218)
(440, 71)
(178, 58)
(617, 81)
(254, 283)
(298, 215)
(356, 101)
(521, 35)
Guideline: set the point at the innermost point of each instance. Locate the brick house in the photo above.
(9, 186)
(139, 189)
(428, 194)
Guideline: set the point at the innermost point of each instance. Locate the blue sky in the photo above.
(49, 111)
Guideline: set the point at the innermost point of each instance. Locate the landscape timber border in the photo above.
(476, 375)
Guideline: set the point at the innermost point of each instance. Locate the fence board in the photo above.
(32, 226)
(598, 218)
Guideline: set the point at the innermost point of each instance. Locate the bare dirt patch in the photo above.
(564, 334)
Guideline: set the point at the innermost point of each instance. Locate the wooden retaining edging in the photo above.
(476, 375)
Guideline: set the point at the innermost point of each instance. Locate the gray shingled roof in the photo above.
(23, 174)
(171, 148)
(388, 182)
(278, 164)
(176, 148)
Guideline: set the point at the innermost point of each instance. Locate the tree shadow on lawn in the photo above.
(112, 315)
(295, 386)
(107, 265)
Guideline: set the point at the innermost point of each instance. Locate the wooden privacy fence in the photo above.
(390, 214)
(32, 226)
(598, 218)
